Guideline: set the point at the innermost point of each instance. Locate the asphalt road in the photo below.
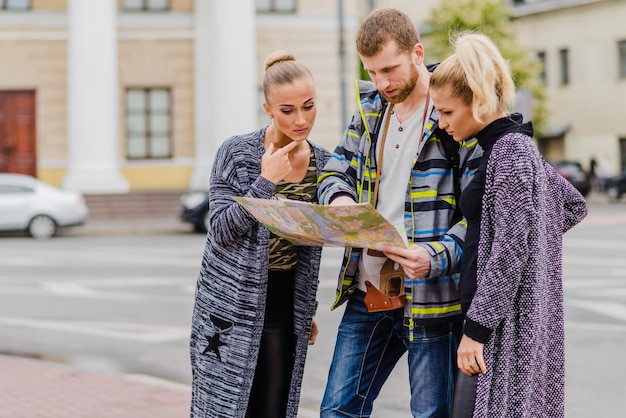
(121, 303)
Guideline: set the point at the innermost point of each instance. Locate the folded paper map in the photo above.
(359, 225)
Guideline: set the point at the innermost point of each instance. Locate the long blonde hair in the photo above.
(477, 74)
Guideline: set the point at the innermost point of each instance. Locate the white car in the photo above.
(27, 204)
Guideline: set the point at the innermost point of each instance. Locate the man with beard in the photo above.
(394, 156)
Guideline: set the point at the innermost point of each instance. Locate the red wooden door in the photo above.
(18, 143)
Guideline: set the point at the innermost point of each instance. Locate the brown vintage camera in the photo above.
(392, 279)
(391, 292)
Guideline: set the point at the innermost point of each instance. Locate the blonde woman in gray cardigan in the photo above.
(255, 296)
(517, 209)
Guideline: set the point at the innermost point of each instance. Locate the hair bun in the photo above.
(278, 56)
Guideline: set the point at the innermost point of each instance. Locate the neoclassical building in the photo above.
(110, 96)
(107, 96)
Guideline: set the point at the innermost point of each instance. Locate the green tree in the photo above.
(492, 18)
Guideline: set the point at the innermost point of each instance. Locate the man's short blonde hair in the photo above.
(382, 26)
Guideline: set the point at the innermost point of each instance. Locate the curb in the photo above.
(129, 226)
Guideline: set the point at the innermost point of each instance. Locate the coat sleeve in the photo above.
(233, 171)
(508, 215)
(339, 176)
(574, 204)
(445, 254)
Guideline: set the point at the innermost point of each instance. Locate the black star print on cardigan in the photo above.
(221, 326)
(214, 345)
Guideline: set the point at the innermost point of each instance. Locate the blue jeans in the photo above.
(368, 347)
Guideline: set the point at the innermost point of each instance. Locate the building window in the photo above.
(622, 153)
(148, 123)
(15, 4)
(564, 58)
(146, 5)
(541, 56)
(276, 6)
(621, 47)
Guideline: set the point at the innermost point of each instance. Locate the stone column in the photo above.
(225, 79)
(93, 95)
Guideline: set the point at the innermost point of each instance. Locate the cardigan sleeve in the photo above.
(508, 215)
(236, 172)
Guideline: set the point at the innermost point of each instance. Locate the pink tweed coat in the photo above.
(527, 207)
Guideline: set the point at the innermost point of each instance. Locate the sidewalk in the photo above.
(36, 389)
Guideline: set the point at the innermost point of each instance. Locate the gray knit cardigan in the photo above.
(527, 207)
(232, 285)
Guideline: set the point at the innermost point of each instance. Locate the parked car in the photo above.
(195, 210)
(575, 174)
(615, 186)
(27, 204)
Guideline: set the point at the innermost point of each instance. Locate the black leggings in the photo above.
(464, 395)
(272, 377)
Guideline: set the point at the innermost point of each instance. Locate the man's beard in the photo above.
(405, 89)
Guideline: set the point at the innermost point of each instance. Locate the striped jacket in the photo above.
(231, 289)
(429, 205)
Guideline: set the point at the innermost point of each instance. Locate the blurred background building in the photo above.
(582, 45)
(111, 96)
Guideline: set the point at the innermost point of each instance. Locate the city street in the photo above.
(121, 304)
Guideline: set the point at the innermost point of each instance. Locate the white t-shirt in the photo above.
(402, 145)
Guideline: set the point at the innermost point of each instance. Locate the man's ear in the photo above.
(418, 50)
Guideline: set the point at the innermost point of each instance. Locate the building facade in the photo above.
(107, 96)
(71, 77)
(110, 96)
(582, 44)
